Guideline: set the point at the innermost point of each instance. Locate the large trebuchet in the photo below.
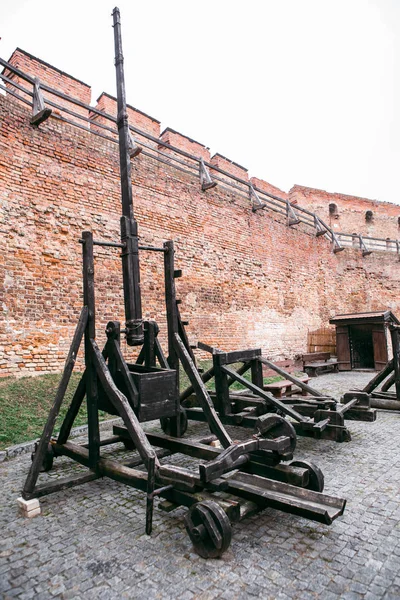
(226, 481)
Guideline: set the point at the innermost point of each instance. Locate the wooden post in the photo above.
(257, 373)
(394, 334)
(221, 388)
(90, 334)
(129, 235)
(172, 318)
(150, 331)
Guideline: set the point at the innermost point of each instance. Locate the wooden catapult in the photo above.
(227, 482)
(312, 414)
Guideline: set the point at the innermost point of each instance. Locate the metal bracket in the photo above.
(205, 178)
(39, 112)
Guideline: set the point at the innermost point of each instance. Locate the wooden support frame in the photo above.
(292, 218)
(363, 247)
(39, 111)
(256, 203)
(320, 229)
(205, 178)
(133, 149)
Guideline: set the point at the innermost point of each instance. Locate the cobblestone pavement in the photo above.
(89, 541)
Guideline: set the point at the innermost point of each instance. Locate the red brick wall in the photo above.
(54, 78)
(249, 280)
(138, 119)
(351, 211)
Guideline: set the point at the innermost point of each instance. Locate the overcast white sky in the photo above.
(297, 91)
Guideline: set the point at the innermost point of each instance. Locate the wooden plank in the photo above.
(300, 501)
(379, 346)
(90, 333)
(223, 402)
(73, 410)
(287, 410)
(58, 485)
(160, 355)
(388, 383)
(257, 373)
(209, 374)
(343, 348)
(133, 396)
(122, 406)
(227, 358)
(210, 413)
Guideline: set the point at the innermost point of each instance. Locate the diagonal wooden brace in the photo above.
(205, 178)
(133, 148)
(319, 227)
(363, 247)
(292, 217)
(255, 199)
(39, 112)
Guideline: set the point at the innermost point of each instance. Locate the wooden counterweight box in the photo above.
(156, 392)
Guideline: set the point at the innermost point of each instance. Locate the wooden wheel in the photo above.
(168, 424)
(208, 528)
(47, 463)
(274, 426)
(316, 480)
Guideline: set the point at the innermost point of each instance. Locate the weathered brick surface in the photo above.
(249, 280)
(137, 118)
(54, 78)
(351, 212)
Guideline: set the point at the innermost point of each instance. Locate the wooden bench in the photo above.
(288, 365)
(284, 387)
(316, 363)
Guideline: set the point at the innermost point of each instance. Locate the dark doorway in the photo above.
(361, 347)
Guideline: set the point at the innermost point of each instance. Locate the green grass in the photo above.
(25, 405)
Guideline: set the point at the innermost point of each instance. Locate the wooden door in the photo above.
(343, 348)
(380, 346)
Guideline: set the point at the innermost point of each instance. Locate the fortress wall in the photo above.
(248, 279)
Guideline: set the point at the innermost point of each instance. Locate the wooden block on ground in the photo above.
(29, 508)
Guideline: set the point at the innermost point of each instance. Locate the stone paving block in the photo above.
(90, 540)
